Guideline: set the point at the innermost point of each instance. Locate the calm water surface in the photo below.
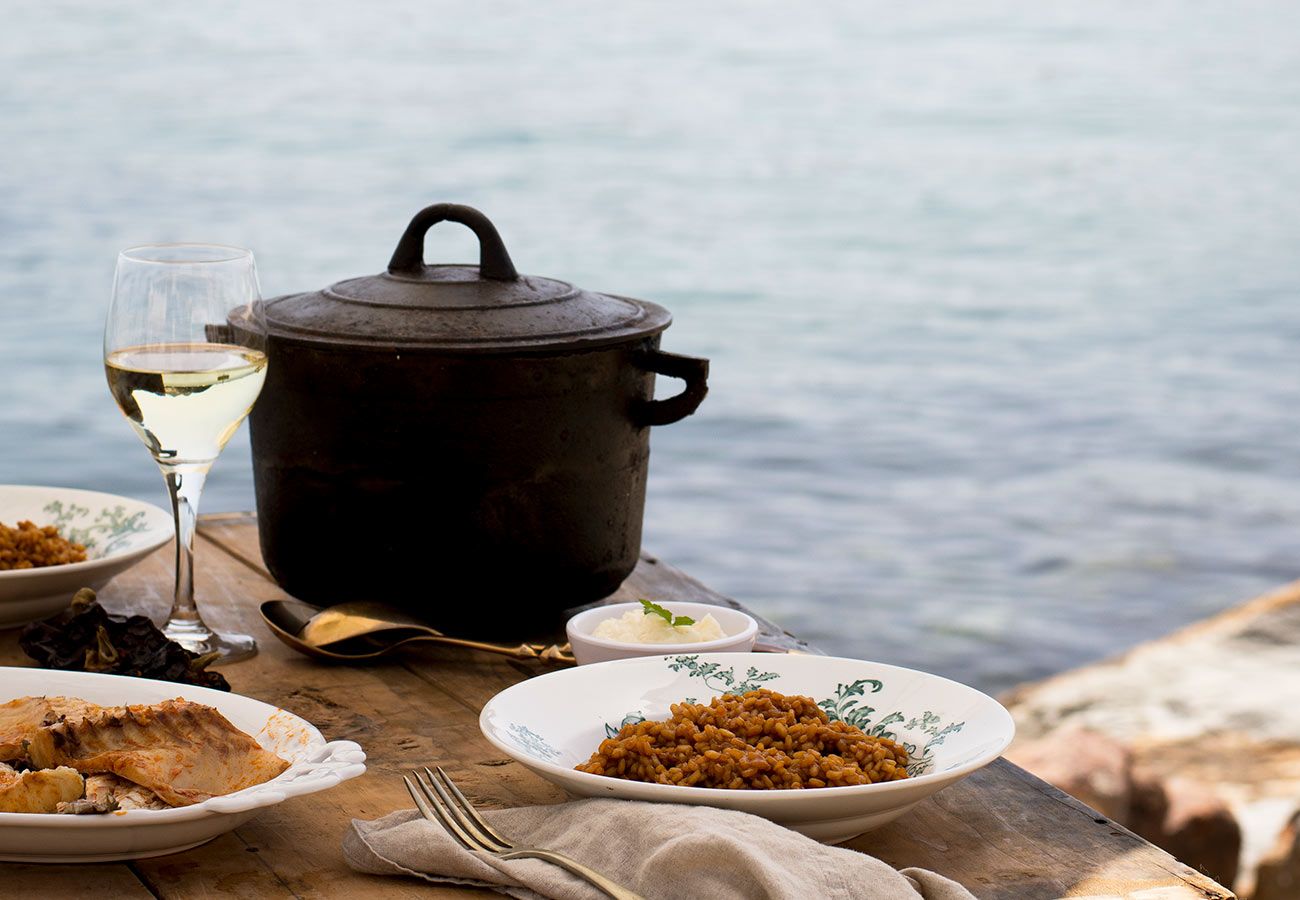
(1001, 298)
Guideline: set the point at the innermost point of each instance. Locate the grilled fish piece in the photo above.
(38, 791)
(20, 719)
(184, 752)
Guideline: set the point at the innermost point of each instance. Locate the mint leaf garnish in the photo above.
(654, 609)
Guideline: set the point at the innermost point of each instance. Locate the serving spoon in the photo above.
(352, 632)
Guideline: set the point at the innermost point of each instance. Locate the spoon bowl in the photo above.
(376, 632)
(347, 621)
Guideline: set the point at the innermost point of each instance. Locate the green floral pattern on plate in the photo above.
(849, 710)
(101, 534)
(720, 679)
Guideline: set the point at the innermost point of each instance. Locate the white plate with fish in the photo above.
(117, 532)
(556, 721)
(313, 764)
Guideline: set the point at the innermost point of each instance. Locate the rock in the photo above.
(1278, 875)
(1085, 764)
(1148, 808)
(1199, 829)
(1214, 702)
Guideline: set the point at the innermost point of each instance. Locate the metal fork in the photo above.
(439, 800)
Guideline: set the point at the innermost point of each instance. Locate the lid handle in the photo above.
(493, 260)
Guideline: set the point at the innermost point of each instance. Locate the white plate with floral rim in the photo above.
(117, 532)
(315, 765)
(555, 721)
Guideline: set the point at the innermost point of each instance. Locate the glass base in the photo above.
(198, 638)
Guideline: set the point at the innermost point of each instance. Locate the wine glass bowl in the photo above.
(185, 358)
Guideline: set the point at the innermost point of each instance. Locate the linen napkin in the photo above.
(661, 851)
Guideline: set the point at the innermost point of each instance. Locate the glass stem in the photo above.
(185, 484)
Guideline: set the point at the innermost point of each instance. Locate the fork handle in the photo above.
(572, 865)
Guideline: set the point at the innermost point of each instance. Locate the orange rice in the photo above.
(759, 740)
(31, 547)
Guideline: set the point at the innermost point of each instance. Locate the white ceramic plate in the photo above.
(118, 532)
(315, 766)
(555, 721)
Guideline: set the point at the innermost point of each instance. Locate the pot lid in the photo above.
(461, 308)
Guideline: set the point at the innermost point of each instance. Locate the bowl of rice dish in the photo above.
(826, 746)
(54, 541)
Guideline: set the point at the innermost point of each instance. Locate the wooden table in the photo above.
(1001, 832)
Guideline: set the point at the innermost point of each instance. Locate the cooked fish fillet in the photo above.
(184, 752)
(108, 789)
(38, 791)
(21, 718)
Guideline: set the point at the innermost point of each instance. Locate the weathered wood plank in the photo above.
(1007, 835)
(60, 882)
(1002, 832)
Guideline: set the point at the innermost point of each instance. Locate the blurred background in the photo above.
(1001, 301)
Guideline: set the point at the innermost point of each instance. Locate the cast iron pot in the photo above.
(463, 441)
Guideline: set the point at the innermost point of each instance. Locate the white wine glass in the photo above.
(185, 355)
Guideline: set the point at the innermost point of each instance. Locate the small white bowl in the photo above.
(117, 532)
(740, 632)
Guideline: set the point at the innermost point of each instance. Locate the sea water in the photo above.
(1001, 298)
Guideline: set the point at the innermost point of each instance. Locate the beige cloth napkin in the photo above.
(663, 852)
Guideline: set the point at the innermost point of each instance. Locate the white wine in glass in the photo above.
(184, 352)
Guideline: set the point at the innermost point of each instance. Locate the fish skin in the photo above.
(20, 719)
(184, 752)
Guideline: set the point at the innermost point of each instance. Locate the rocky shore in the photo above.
(1192, 741)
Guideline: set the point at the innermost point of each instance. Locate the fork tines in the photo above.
(439, 800)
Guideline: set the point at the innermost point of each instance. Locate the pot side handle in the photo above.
(691, 369)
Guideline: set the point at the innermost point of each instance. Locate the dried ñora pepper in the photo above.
(86, 638)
